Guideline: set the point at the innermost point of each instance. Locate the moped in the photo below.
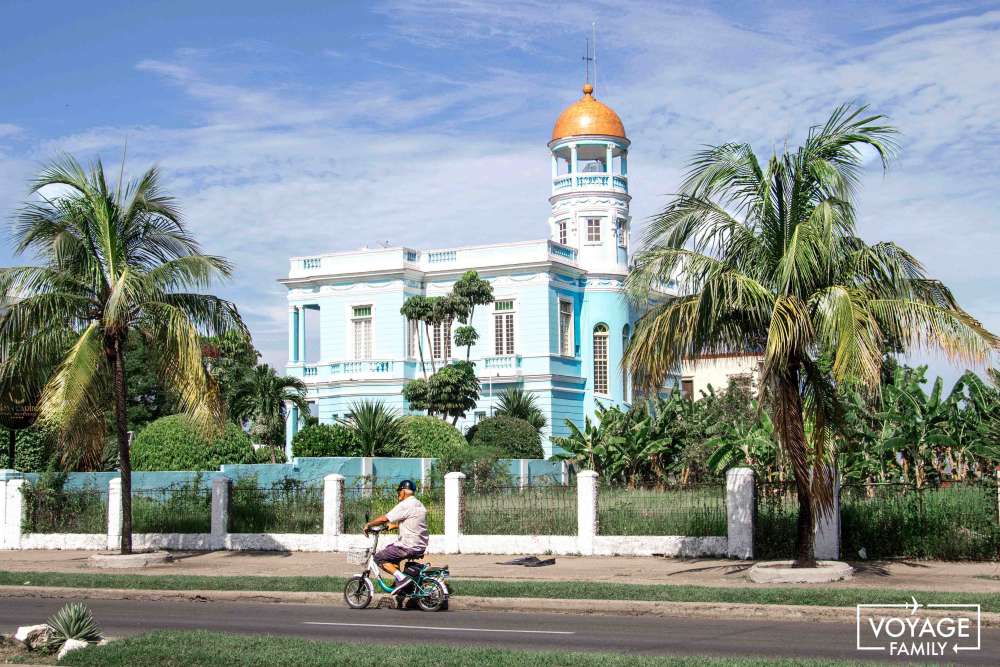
(428, 588)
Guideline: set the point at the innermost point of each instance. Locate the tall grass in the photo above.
(180, 508)
(692, 511)
(50, 508)
(287, 506)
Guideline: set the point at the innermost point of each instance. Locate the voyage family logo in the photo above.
(914, 629)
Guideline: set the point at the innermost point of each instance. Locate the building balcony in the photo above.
(590, 181)
(367, 369)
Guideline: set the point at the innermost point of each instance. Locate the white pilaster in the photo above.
(522, 473)
(586, 511)
(221, 487)
(302, 334)
(607, 165)
(453, 501)
(740, 499)
(333, 504)
(115, 513)
(828, 523)
(293, 314)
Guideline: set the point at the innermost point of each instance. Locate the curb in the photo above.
(707, 610)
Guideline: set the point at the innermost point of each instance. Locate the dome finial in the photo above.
(588, 89)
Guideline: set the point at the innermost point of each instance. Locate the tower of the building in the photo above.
(590, 185)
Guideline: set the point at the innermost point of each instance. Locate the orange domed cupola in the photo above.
(588, 116)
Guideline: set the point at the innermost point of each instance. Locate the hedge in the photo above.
(175, 443)
(34, 448)
(326, 440)
(511, 437)
(429, 437)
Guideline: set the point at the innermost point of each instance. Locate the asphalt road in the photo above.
(617, 634)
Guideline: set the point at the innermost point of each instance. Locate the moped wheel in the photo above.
(358, 592)
(434, 597)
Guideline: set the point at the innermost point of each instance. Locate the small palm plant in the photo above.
(515, 402)
(262, 399)
(74, 621)
(376, 427)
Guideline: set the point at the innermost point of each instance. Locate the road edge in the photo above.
(708, 610)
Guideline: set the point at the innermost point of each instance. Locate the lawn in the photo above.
(212, 649)
(574, 590)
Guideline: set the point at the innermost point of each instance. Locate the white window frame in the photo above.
(357, 319)
(621, 231)
(567, 338)
(601, 362)
(505, 335)
(590, 227)
(441, 343)
(562, 232)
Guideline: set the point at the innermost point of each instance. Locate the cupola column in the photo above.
(610, 153)
(572, 161)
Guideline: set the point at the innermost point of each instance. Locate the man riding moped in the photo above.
(410, 516)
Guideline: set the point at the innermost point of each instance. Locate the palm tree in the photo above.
(262, 399)
(767, 257)
(113, 260)
(376, 426)
(515, 402)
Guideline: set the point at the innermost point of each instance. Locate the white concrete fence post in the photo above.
(367, 475)
(828, 523)
(741, 489)
(453, 503)
(115, 513)
(11, 509)
(564, 473)
(221, 490)
(333, 504)
(426, 472)
(522, 474)
(586, 511)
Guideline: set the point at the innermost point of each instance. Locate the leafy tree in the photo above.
(451, 392)
(327, 440)
(766, 256)
(178, 443)
(509, 436)
(469, 291)
(417, 309)
(261, 399)
(515, 402)
(114, 260)
(230, 358)
(375, 427)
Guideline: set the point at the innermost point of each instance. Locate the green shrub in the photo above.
(175, 443)
(429, 437)
(481, 465)
(326, 440)
(511, 437)
(34, 448)
(263, 455)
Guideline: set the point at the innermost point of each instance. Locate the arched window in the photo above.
(626, 334)
(601, 359)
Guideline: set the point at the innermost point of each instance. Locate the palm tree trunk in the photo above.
(430, 347)
(11, 447)
(791, 432)
(124, 458)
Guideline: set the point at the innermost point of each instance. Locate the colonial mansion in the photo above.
(559, 322)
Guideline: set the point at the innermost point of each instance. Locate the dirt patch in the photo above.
(12, 653)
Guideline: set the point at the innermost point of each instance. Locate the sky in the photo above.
(295, 128)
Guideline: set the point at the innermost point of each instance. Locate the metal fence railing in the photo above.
(691, 510)
(363, 503)
(948, 521)
(47, 510)
(183, 508)
(513, 510)
(288, 506)
(775, 519)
